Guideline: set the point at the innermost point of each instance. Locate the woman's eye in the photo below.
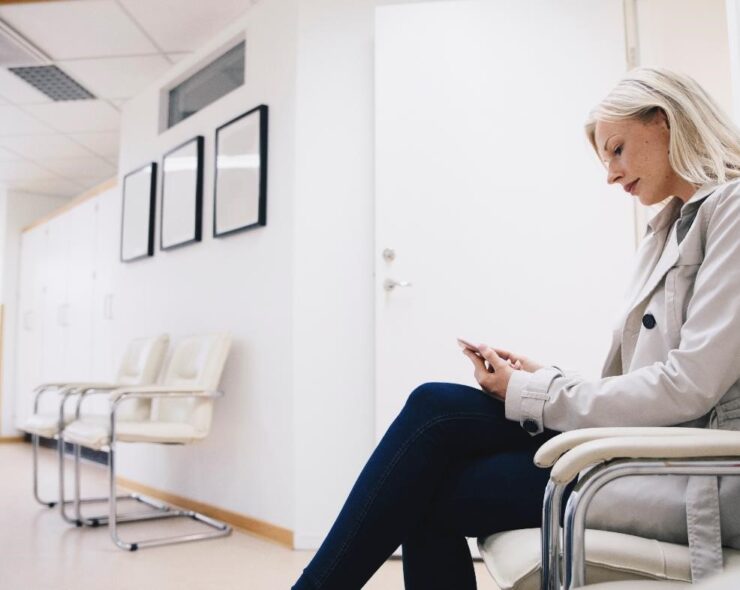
(618, 151)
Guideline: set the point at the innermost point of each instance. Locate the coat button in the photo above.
(648, 320)
(530, 426)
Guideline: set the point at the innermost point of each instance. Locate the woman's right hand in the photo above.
(525, 363)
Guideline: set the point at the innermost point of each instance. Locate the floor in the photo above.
(38, 551)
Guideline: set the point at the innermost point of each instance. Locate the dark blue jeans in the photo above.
(450, 466)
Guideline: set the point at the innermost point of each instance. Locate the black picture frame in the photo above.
(182, 182)
(138, 204)
(240, 191)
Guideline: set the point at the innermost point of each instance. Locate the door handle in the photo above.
(390, 284)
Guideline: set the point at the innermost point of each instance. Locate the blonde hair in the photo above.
(704, 144)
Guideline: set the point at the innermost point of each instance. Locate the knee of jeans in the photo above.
(430, 395)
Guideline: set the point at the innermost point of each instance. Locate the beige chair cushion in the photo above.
(513, 558)
(46, 425)
(95, 434)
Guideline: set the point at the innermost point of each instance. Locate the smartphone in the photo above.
(465, 344)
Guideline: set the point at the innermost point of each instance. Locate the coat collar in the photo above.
(663, 249)
(677, 208)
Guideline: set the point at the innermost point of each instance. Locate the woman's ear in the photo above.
(661, 118)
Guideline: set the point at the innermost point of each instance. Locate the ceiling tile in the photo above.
(77, 115)
(22, 170)
(13, 121)
(43, 186)
(44, 146)
(116, 77)
(176, 29)
(175, 57)
(103, 144)
(15, 90)
(75, 168)
(68, 30)
(6, 156)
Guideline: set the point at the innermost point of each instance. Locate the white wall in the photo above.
(241, 284)
(689, 36)
(298, 417)
(17, 211)
(333, 340)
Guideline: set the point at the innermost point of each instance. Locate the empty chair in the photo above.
(180, 413)
(140, 365)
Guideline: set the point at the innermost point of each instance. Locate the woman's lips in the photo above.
(631, 186)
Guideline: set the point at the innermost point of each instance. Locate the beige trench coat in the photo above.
(674, 361)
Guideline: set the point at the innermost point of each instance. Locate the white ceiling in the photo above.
(113, 48)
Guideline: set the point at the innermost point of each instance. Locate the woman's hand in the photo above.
(516, 359)
(492, 372)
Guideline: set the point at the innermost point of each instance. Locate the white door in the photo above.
(493, 204)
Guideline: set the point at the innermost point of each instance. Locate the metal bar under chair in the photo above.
(221, 528)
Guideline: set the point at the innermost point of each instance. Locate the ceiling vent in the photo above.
(16, 50)
(53, 82)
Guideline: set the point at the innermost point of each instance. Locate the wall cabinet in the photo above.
(65, 329)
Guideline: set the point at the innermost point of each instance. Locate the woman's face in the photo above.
(636, 156)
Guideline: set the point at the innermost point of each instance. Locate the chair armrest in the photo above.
(89, 389)
(557, 446)
(708, 444)
(158, 391)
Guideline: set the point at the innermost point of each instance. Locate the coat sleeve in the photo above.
(687, 385)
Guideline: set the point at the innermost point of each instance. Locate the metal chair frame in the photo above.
(66, 392)
(113, 519)
(574, 561)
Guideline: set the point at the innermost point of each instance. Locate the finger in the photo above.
(505, 354)
(518, 364)
(474, 357)
(494, 359)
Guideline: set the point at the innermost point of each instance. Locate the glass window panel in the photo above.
(218, 78)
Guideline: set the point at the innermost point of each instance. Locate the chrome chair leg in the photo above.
(550, 539)
(35, 448)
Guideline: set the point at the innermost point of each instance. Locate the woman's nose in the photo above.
(613, 173)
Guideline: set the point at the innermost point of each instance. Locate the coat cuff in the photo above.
(526, 395)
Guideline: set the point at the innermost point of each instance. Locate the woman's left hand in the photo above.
(494, 378)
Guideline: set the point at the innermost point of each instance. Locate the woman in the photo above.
(457, 461)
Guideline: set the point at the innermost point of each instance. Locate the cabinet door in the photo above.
(55, 316)
(29, 339)
(77, 315)
(107, 209)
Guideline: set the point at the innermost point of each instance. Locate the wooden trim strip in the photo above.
(264, 529)
(87, 195)
(11, 439)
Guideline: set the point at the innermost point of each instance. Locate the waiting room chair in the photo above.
(530, 559)
(140, 365)
(180, 413)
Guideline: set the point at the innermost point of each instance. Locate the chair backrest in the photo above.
(140, 365)
(197, 362)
